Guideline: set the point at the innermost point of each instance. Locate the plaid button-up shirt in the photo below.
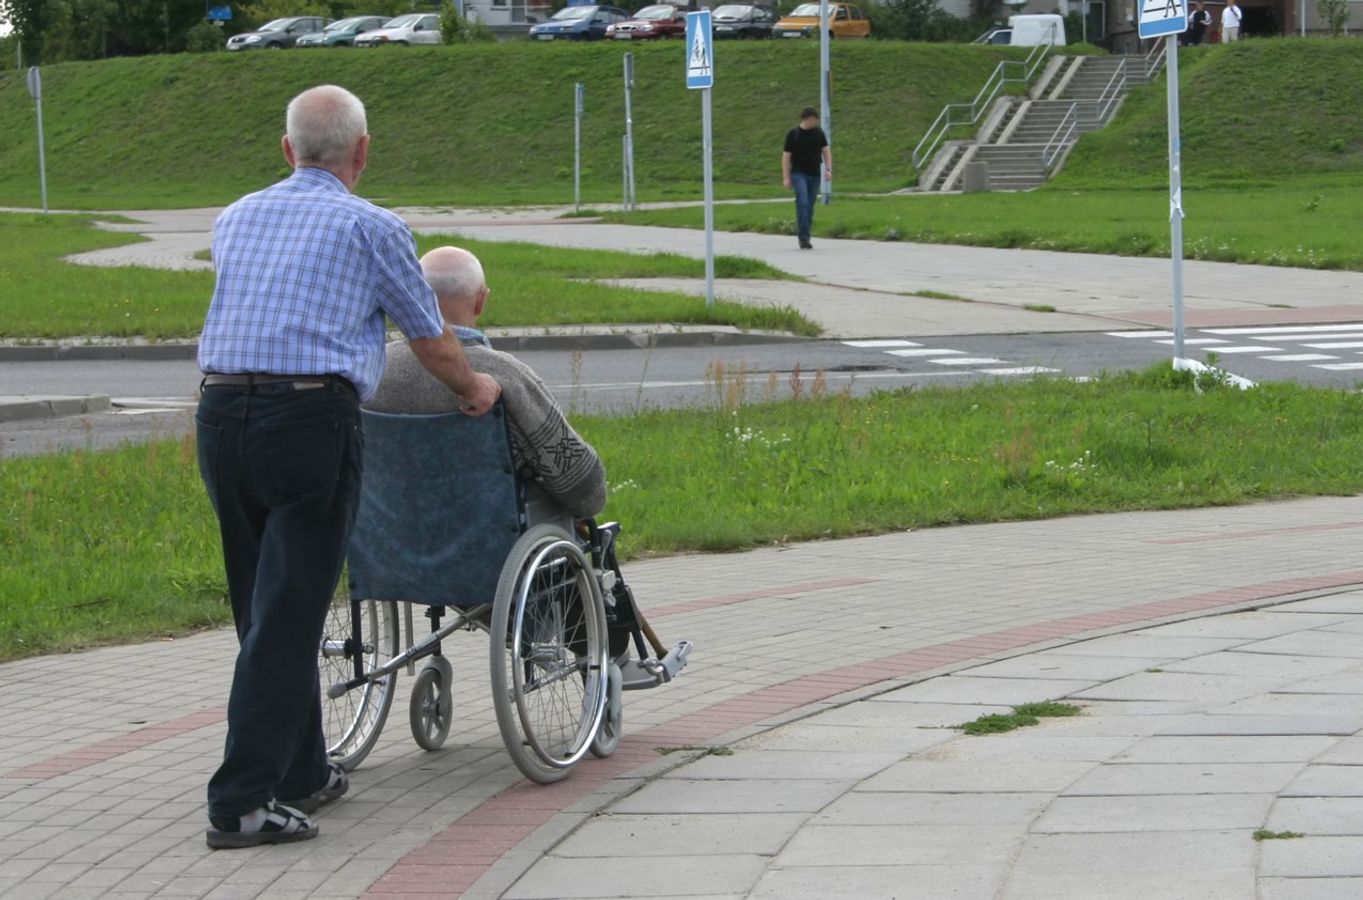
(306, 272)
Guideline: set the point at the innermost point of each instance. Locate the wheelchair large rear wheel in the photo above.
(352, 722)
(548, 654)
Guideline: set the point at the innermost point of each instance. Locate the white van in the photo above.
(1027, 31)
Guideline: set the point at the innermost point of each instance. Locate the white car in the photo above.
(413, 28)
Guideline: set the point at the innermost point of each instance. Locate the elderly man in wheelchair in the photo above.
(486, 523)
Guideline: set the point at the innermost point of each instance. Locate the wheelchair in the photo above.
(445, 522)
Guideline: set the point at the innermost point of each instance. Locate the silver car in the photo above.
(413, 28)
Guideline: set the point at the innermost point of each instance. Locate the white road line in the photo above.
(1284, 329)
(1340, 367)
(1194, 341)
(1336, 345)
(966, 361)
(881, 343)
(1301, 357)
(1255, 348)
(923, 351)
(1020, 370)
(1140, 334)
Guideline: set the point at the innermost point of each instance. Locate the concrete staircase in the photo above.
(1026, 139)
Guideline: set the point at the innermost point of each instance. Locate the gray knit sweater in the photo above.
(543, 444)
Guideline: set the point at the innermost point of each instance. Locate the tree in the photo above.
(31, 20)
(1335, 14)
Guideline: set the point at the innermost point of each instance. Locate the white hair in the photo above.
(324, 124)
(451, 276)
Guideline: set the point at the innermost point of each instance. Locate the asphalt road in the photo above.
(156, 397)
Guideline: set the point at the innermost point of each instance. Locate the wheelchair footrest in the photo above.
(638, 675)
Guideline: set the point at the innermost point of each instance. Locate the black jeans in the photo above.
(282, 468)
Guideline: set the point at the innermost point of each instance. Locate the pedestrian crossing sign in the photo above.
(1161, 17)
(700, 50)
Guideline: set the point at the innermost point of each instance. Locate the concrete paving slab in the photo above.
(865, 808)
(1310, 888)
(679, 795)
(1178, 686)
(1327, 781)
(1205, 778)
(1226, 749)
(1171, 865)
(1266, 725)
(1059, 666)
(556, 878)
(751, 764)
(810, 735)
(1313, 857)
(1318, 815)
(1348, 752)
(959, 881)
(1294, 704)
(891, 845)
(1150, 648)
(1248, 625)
(1263, 665)
(1348, 682)
(614, 834)
(1347, 603)
(1021, 744)
(944, 776)
(1154, 812)
(1310, 643)
(964, 689)
(877, 713)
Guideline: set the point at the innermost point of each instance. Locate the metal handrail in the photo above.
(971, 112)
(1117, 88)
(1155, 58)
(1060, 139)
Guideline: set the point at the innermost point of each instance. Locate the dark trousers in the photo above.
(806, 190)
(282, 468)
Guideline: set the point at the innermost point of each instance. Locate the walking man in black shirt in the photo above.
(806, 145)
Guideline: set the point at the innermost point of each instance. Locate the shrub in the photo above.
(205, 37)
(455, 29)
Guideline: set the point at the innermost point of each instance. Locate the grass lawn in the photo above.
(41, 295)
(121, 545)
(1313, 222)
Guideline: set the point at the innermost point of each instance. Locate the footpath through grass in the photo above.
(1312, 221)
(122, 545)
(43, 296)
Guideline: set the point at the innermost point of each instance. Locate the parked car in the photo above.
(844, 20)
(651, 22)
(578, 23)
(276, 35)
(342, 33)
(413, 28)
(743, 20)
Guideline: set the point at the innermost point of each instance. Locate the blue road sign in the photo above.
(700, 50)
(1161, 17)
(220, 13)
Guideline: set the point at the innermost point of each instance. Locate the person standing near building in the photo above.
(806, 148)
(293, 342)
(1230, 22)
(1197, 24)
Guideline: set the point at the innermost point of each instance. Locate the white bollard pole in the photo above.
(630, 198)
(708, 150)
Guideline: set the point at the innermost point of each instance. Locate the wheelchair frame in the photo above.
(560, 601)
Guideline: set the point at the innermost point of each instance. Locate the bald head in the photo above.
(326, 128)
(457, 278)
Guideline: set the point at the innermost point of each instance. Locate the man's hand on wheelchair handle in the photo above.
(481, 394)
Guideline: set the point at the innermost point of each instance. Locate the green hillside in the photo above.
(1260, 110)
(472, 124)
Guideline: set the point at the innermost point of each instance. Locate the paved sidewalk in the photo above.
(832, 671)
(870, 282)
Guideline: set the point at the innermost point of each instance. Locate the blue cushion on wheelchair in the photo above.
(440, 508)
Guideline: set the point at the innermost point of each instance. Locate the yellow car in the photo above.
(844, 21)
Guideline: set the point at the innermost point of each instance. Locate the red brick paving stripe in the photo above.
(102, 751)
(521, 805)
(789, 590)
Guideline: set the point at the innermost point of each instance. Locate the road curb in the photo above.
(617, 341)
(14, 409)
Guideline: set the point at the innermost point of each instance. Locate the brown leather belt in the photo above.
(300, 382)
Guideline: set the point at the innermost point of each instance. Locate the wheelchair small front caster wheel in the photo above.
(613, 719)
(431, 706)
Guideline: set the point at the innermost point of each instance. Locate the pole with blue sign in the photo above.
(35, 90)
(629, 132)
(1168, 19)
(700, 75)
(579, 92)
(825, 91)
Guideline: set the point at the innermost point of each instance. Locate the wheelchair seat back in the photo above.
(440, 508)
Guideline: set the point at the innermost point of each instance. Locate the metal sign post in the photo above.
(629, 132)
(579, 93)
(700, 75)
(1169, 19)
(35, 90)
(825, 114)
